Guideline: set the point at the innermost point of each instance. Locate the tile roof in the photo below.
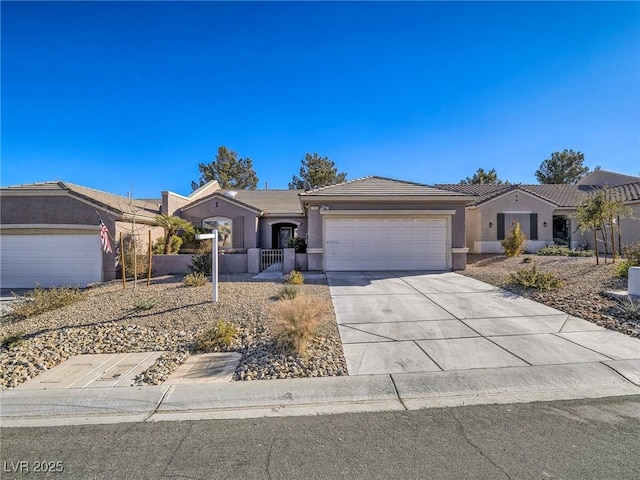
(568, 196)
(144, 209)
(379, 187)
(271, 202)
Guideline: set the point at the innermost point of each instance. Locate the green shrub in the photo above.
(562, 251)
(622, 269)
(554, 250)
(296, 321)
(632, 254)
(514, 242)
(145, 303)
(299, 243)
(176, 243)
(629, 308)
(580, 253)
(11, 340)
(294, 278)
(40, 300)
(222, 335)
(201, 263)
(288, 292)
(532, 278)
(194, 280)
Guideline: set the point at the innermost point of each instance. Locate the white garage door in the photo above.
(50, 260)
(386, 243)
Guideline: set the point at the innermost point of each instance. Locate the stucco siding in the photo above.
(218, 207)
(516, 201)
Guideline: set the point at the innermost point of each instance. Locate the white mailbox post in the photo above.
(214, 260)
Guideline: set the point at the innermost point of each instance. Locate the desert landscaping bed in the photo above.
(106, 321)
(581, 293)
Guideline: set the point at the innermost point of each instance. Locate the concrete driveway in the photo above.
(397, 322)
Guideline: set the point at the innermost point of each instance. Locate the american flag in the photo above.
(104, 238)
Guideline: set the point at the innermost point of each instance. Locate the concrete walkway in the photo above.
(400, 322)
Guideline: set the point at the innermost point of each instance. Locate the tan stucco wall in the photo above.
(218, 207)
(511, 202)
(266, 228)
(630, 226)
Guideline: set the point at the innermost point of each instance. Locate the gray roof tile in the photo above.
(379, 186)
(144, 209)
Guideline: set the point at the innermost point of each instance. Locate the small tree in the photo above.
(483, 178)
(514, 241)
(318, 172)
(562, 167)
(171, 225)
(590, 214)
(230, 171)
(614, 210)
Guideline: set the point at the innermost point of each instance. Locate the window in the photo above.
(224, 227)
(528, 224)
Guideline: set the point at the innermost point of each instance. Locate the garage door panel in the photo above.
(385, 243)
(49, 260)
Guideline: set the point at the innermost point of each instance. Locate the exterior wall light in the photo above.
(544, 224)
(490, 224)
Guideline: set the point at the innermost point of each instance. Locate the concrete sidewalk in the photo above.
(313, 396)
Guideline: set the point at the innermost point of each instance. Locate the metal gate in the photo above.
(272, 259)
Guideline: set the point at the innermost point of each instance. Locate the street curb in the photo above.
(315, 396)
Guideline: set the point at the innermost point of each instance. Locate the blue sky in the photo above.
(125, 96)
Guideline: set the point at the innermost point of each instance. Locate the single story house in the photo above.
(546, 213)
(371, 223)
(50, 231)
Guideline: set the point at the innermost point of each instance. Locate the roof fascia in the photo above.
(220, 196)
(306, 199)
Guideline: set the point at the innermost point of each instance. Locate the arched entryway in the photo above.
(281, 232)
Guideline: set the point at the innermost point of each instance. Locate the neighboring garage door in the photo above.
(386, 243)
(50, 260)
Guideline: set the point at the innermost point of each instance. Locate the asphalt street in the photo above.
(580, 439)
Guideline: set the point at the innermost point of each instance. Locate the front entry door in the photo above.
(285, 234)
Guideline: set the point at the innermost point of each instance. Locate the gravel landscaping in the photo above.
(108, 322)
(581, 293)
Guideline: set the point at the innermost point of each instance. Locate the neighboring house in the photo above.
(50, 233)
(546, 213)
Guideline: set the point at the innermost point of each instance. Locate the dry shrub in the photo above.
(221, 336)
(294, 278)
(288, 292)
(297, 320)
(42, 300)
(196, 279)
(533, 278)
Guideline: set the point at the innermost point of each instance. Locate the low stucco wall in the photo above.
(301, 262)
(232, 263)
(171, 264)
(179, 264)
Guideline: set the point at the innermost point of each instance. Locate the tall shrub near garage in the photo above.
(515, 241)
